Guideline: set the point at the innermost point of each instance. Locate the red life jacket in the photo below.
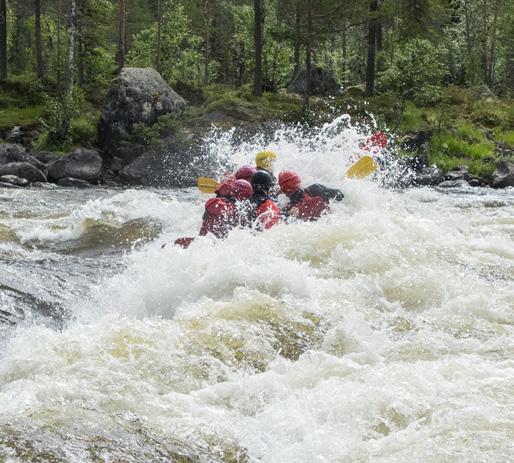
(219, 217)
(307, 207)
(265, 212)
(311, 207)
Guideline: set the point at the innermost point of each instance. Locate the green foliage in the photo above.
(57, 117)
(493, 113)
(416, 73)
(180, 48)
(505, 136)
(11, 116)
(466, 145)
(145, 135)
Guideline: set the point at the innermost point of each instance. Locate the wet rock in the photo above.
(44, 185)
(458, 173)
(116, 164)
(461, 183)
(475, 181)
(24, 170)
(429, 176)
(503, 176)
(23, 135)
(159, 167)
(138, 95)
(46, 157)
(8, 185)
(322, 82)
(73, 183)
(11, 152)
(82, 164)
(14, 180)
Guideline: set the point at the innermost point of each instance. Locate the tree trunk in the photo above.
(258, 21)
(3, 39)
(122, 33)
(372, 44)
(297, 44)
(40, 66)
(308, 63)
(159, 33)
(59, 27)
(344, 46)
(492, 52)
(70, 62)
(206, 39)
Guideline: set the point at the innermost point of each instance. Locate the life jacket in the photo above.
(306, 207)
(264, 212)
(219, 217)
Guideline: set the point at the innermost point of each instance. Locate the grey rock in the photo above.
(429, 176)
(454, 184)
(116, 164)
(157, 167)
(138, 95)
(8, 185)
(46, 157)
(15, 135)
(458, 173)
(503, 176)
(74, 183)
(322, 82)
(23, 170)
(81, 164)
(14, 180)
(11, 152)
(44, 185)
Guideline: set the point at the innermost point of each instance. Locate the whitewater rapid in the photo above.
(382, 333)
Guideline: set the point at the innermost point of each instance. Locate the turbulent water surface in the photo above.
(382, 333)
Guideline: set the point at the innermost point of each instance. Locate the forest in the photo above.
(442, 66)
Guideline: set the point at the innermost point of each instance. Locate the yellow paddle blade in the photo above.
(207, 185)
(362, 168)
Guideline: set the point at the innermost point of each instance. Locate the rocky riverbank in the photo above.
(148, 135)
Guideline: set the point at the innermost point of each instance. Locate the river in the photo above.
(382, 333)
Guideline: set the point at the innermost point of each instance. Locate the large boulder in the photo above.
(24, 170)
(82, 163)
(322, 82)
(503, 176)
(10, 152)
(461, 183)
(13, 180)
(159, 166)
(73, 183)
(138, 95)
(429, 176)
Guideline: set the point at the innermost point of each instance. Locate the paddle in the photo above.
(207, 185)
(362, 168)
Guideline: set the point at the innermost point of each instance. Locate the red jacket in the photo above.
(219, 217)
(306, 207)
(265, 213)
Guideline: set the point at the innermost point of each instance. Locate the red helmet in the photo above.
(225, 189)
(289, 181)
(217, 206)
(242, 189)
(378, 139)
(245, 173)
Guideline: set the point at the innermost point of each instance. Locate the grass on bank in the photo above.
(465, 123)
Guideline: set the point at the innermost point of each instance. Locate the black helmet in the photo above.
(261, 180)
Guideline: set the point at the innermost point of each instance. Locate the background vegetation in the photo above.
(444, 66)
